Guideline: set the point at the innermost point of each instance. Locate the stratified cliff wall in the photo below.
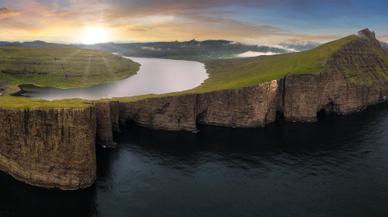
(245, 107)
(354, 78)
(53, 148)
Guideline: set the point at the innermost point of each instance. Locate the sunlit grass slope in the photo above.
(237, 73)
(8, 102)
(61, 66)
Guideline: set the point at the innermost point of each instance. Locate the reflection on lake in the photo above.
(156, 76)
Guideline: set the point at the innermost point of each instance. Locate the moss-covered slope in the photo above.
(360, 57)
(61, 67)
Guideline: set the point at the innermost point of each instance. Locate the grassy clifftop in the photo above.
(360, 60)
(61, 67)
(12, 102)
(236, 73)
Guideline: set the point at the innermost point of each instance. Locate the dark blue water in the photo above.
(337, 167)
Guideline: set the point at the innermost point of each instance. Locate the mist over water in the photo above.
(336, 167)
(156, 76)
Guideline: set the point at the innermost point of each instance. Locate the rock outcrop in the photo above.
(53, 148)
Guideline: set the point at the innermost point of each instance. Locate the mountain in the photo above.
(261, 69)
(299, 46)
(192, 50)
(30, 44)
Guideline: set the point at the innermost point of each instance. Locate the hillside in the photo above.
(61, 67)
(357, 55)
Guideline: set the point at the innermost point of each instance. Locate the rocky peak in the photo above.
(367, 34)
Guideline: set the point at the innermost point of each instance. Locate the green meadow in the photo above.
(61, 66)
(44, 67)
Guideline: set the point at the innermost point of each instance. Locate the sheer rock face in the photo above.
(107, 115)
(53, 148)
(167, 113)
(353, 78)
(246, 107)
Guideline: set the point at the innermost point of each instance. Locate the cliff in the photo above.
(53, 148)
(355, 76)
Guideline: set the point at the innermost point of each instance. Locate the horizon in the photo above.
(249, 22)
(181, 41)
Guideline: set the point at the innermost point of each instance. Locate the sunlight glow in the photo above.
(94, 35)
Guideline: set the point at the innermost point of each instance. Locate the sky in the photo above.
(248, 21)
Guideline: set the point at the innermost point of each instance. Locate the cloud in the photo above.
(5, 13)
(255, 54)
(251, 21)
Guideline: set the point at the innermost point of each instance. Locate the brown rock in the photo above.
(53, 148)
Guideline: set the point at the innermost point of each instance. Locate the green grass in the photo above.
(61, 66)
(12, 102)
(237, 73)
(364, 70)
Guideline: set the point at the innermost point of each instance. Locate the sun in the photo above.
(94, 35)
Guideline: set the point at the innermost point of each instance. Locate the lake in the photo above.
(156, 76)
(336, 167)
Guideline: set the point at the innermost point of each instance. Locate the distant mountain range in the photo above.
(191, 50)
(29, 43)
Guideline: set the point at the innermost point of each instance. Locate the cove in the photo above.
(156, 76)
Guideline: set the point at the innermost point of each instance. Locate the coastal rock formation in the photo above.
(353, 78)
(56, 147)
(167, 113)
(107, 116)
(53, 148)
(246, 107)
